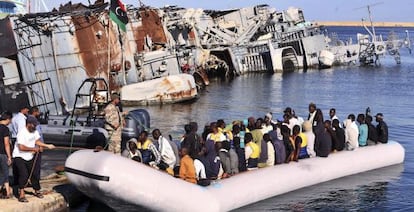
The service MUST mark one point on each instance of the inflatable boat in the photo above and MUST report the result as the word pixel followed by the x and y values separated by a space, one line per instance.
pixel 124 184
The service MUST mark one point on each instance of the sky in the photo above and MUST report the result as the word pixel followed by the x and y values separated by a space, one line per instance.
pixel 314 10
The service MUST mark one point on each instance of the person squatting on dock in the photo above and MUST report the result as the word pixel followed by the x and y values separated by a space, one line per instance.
pixel 226 150
pixel 113 124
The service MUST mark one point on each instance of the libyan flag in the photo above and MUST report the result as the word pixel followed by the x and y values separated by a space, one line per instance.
pixel 118 13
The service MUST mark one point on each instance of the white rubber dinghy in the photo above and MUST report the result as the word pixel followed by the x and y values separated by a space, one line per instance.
pixel 124 184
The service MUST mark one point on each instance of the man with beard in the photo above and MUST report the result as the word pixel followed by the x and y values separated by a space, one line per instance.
pixel 28 145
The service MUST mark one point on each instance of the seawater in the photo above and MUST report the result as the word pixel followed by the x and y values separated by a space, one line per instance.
pixel 388 89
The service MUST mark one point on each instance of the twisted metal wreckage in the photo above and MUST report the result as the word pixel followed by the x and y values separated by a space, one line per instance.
pixel 48 55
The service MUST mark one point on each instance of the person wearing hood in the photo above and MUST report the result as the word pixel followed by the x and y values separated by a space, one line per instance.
pixel 132 151
pixel 382 128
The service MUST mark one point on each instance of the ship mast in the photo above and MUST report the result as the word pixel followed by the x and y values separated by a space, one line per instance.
pixel 372 32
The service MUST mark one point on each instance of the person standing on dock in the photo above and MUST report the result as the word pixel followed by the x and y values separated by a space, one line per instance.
pixel 34 113
pixel 5 154
pixel 113 124
pixel 19 122
pixel 24 157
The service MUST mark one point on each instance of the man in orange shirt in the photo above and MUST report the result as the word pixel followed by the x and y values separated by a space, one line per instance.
pixel 187 169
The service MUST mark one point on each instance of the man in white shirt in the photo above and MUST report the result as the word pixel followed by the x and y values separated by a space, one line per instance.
pixel 24 158
pixel 165 148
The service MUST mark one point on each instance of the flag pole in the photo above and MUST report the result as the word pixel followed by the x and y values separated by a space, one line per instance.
pixel 121 42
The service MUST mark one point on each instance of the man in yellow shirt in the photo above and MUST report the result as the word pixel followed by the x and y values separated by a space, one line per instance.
pixel 187 169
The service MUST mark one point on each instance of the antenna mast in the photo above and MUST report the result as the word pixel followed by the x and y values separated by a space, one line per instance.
pixel 374 36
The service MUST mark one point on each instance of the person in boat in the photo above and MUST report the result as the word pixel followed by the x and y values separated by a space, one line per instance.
pixel 303 153
pixel 339 135
pixel 238 138
pixel 28 142
pixel 279 146
pixel 285 131
pixel 351 133
pixel 5 154
pixel 187 170
pixel 296 142
pixel 222 148
pixel 267 125
pixel 251 124
pixel 312 113
pixel 168 158
pixel 363 130
pixel 382 128
pixel 252 152
pixel 332 115
pixel 149 152
pixel 323 142
pixel 291 117
pixel 114 123
pixel 175 146
pixel 131 150
pixel 200 172
pixel 258 139
pixel 192 141
pixel 310 138
pixel 270 150
pixel 215 134
pixel 372 131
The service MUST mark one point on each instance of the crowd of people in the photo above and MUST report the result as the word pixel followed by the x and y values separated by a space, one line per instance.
pixel 21 144
pixel 223 150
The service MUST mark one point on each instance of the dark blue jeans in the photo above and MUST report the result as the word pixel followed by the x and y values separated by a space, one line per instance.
pixel 4 170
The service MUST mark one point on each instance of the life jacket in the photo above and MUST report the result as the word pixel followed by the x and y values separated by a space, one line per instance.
pixel 145 152
pixel 304 140
pixel 255 148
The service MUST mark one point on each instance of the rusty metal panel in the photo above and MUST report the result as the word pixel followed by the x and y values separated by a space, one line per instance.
pixel 8 44
pixel 151 26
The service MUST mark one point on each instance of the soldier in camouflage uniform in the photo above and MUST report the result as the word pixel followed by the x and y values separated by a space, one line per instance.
pixel 113 124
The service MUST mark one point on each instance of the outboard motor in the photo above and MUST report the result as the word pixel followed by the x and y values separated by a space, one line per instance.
pixel 136 121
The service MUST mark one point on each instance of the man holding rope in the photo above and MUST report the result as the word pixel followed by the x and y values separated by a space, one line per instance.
pixel 25 154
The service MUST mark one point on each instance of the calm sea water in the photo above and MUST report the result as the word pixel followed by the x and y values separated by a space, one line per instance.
pixel 388 89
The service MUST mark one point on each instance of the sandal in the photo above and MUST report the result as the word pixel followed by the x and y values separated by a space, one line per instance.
pixel 23 199
pixel 38 195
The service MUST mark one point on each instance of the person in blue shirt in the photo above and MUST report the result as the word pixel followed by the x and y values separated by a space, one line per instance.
pixel 363 130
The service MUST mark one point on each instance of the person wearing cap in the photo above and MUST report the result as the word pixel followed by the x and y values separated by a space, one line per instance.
pixel 382 128
pixel 27 145
pixel 114 123
pixel 34 113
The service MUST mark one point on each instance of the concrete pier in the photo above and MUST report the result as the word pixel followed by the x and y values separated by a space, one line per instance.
pixel 52 201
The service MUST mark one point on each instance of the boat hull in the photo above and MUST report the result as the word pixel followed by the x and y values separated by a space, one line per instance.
pixel 158 191
pixel 169 89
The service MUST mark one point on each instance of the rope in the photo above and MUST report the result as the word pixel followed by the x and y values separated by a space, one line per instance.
pixel 32 169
